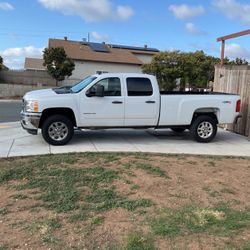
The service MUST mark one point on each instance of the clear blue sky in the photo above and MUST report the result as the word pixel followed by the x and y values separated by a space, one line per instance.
pixel 26 26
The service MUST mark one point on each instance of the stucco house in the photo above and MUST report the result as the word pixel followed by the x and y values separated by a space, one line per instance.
pixel 34 64
pixel 4 67
pixel 91 58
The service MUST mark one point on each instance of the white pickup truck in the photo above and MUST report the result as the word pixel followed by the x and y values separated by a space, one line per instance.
pixel 124 100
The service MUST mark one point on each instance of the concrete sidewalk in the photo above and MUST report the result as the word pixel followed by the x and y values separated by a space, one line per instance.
pixel 14 141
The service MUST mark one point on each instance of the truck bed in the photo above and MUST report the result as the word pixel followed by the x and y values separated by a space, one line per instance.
pixel 192 93
pixel 178 108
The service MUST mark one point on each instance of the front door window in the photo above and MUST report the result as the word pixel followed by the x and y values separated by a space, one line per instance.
pixel 112 86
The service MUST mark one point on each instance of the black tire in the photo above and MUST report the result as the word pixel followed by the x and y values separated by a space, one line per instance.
pixel 204 128
pixel 178 130
pixel 57 130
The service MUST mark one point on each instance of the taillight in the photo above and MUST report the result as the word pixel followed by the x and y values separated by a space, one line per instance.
pixel 238 106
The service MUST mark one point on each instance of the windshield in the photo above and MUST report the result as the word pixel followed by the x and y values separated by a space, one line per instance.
pixel 82 84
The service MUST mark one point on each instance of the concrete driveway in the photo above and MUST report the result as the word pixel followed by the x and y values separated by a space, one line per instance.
pixel 14 141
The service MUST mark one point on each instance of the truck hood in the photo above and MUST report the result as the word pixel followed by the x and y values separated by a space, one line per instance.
pixel 46 93
pixel 38 94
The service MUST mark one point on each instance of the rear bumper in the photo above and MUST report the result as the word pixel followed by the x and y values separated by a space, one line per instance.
pixel 30 122
pixel 237 118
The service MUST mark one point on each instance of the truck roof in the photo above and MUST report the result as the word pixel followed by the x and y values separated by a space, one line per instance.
pixel 123 74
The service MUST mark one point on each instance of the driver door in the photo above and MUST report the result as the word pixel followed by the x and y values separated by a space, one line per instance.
pixel 106 111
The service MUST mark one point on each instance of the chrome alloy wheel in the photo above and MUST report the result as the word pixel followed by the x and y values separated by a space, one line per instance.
pixel 58 131
pixel 205 130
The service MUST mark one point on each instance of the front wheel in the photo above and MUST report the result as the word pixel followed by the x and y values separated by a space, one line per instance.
pixel 57 130
pixel 204 128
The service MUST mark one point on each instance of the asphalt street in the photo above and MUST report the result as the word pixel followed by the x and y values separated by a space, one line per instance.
pixel 10 111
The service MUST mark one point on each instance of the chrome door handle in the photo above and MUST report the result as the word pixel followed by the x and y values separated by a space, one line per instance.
pixel 150 102
pixel 117 102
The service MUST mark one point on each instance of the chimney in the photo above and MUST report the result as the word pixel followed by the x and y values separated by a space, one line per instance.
pixel 66 38
pixel 145 46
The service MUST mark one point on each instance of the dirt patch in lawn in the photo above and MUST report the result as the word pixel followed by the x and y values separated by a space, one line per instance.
pixel 124 201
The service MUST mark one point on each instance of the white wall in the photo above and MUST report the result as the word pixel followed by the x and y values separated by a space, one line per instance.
pixel 83 69
pixel 144 58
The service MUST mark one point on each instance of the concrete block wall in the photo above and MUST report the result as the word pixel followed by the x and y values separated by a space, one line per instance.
pixel 16 90
pixel 28 77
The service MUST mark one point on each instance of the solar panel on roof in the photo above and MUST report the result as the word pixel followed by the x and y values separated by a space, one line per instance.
pixel 99 47
pixel 116 46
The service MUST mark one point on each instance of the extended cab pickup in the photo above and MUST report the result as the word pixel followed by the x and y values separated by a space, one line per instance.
pixel 124 100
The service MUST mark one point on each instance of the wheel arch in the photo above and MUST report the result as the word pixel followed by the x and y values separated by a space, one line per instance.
pixel 67 112
pixel 211 112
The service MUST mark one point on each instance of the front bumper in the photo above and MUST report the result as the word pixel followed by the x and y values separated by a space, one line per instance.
pixel 30 121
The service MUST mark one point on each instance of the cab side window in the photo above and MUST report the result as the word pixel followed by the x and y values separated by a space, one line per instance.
pixel 112 86
pixel 138 86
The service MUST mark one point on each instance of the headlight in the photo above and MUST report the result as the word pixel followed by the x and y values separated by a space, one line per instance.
pixel 31 106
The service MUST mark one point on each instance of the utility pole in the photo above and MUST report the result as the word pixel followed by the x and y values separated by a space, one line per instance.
pixel 224 38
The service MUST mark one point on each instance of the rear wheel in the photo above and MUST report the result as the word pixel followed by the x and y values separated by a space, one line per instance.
pixel 178 130
pixel 204 128
pixel 57 130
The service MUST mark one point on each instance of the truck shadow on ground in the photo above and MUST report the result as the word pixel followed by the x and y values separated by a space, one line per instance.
pixel 133 135
pixel 143 136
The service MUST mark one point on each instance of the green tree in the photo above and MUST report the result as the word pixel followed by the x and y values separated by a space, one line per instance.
pixel 194 69
pixel 199 68
pixel 1 62
pixel 237 61
pixel 58 65
pixel 166 66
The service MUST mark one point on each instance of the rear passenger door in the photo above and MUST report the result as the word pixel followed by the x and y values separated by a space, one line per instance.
pixel 141 102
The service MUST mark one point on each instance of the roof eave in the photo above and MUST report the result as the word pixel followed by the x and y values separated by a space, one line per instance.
pixel 90 60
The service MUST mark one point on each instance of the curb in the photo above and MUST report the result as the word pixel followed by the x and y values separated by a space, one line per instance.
pixel 10 100
pixel 9 123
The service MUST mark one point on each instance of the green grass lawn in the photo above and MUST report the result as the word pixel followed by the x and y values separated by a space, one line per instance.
pixel 125 201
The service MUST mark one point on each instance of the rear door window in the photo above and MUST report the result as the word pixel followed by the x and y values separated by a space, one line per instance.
pixel 138 86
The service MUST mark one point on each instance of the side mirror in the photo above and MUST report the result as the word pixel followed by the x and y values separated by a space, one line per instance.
pixel 91 92
pixel 99 91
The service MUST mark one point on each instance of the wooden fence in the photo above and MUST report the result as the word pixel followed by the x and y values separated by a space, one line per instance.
pixel 236 80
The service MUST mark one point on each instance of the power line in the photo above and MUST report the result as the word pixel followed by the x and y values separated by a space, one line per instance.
pixel 47 31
